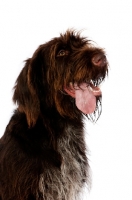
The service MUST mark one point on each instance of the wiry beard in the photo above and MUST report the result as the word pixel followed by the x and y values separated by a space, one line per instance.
pixel 93 117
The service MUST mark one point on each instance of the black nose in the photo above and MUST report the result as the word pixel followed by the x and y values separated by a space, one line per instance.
pixel 99 60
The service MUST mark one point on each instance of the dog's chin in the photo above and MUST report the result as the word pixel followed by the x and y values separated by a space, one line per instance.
pixel 85 97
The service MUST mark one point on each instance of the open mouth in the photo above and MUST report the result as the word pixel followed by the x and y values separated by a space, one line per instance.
pixel 86 95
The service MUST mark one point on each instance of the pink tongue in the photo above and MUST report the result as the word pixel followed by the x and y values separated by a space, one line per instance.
pixel 85 99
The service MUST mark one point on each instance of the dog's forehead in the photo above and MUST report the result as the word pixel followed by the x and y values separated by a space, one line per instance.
pixel 71 38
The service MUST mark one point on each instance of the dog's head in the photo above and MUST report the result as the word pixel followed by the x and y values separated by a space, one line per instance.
pixel 63 74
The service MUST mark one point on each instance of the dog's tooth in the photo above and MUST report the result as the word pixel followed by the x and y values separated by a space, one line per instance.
pixel 90 88
pixel 71 84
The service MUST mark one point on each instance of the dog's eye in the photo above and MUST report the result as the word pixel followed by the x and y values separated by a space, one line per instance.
pixel 62 53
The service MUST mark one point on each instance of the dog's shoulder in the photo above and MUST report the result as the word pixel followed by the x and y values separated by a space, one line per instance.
pixel 18 135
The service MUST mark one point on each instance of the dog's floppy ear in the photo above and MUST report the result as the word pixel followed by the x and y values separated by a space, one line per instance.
pixel 27 88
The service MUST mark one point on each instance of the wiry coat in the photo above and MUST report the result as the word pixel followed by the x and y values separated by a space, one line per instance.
pixel 43 152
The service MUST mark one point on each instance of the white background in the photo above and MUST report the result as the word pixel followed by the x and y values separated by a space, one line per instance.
pixel 28 23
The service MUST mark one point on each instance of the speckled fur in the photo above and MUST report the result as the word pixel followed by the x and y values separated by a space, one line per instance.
pixel 67 184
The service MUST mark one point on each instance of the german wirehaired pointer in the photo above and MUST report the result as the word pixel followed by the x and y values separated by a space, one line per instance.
pixel 43 152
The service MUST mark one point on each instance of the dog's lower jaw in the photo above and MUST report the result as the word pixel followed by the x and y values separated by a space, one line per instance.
pixel 68 182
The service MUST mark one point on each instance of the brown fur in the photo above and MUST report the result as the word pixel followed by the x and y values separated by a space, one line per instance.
pixel 43 152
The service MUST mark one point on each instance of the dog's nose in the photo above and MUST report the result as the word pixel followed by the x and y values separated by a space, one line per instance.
pixel 99 60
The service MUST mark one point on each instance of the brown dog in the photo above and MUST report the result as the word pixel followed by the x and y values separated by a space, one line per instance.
pixel 43 152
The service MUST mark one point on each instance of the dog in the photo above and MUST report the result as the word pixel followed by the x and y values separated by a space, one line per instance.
pixel 43 154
